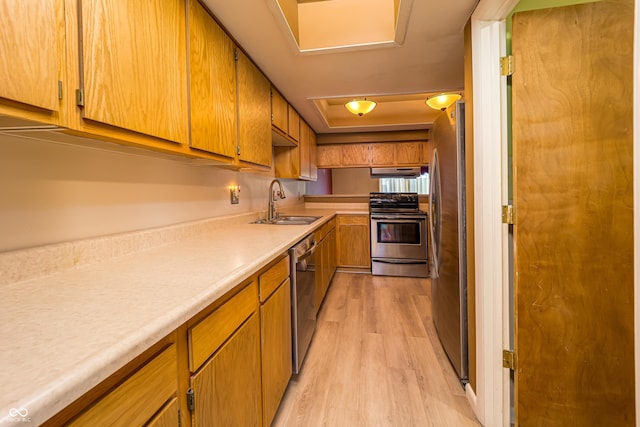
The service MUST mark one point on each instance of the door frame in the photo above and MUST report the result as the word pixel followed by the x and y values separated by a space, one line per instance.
pixel 490 400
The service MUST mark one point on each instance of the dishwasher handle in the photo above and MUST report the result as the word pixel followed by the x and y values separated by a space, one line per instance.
pixel 308 253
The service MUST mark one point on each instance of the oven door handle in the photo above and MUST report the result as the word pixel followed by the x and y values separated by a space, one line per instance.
pixel 399 261
pixel 402 218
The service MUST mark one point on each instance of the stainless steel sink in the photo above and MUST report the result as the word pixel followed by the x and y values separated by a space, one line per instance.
pixel 289 220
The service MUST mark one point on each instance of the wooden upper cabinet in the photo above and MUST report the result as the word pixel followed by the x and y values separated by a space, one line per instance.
pixel 304 146
pixel 254 113
pixel 133 66
pixel 313 164
pixel 408 153
pixel 373 154
pixel 356 155
pixel 383 154
pixel 279 111
pixel 293 123
pixel 32 52
pixel 285 120
pixel 212 72
pixel 329 156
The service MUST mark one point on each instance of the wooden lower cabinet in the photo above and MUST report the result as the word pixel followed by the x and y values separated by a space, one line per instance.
pixel 227 366
pixel 227 389
pixel 275 325
pixel 325 260
pixel 136 400
pixel 353 241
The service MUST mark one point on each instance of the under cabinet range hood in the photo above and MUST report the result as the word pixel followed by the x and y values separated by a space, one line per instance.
pixel 408 172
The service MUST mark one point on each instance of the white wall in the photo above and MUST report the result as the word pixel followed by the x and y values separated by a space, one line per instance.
pixel 52 192
pixel 353 181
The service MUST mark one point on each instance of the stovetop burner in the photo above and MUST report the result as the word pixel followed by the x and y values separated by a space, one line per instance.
pixel 394 202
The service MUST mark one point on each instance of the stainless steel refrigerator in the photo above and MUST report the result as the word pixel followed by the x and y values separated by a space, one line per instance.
pixel 447 228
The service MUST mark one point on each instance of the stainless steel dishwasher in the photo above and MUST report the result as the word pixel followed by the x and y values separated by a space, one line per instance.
pixel 303 311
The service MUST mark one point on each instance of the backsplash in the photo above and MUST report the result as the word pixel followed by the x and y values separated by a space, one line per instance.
pixel 55 193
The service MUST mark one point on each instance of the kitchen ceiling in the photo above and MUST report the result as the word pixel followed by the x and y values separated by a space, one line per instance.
pixel 415 52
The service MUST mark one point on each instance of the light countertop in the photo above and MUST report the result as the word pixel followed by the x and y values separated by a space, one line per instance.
pixel 64 332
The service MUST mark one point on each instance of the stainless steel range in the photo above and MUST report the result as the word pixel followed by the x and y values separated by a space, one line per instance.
pixel 398 235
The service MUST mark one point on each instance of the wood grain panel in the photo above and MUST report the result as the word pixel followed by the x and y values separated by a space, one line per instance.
pixel 31 52
pixel 304 145
pixel 167 417
pixel 212 71
pixel 353 244
pixel 383 154
pixel 356 155
pixel 136 400
pixel 572 142
pixel 254 113
pixel 313 156
pixel 206 336
pixel 227 388
pixel 272 278
pixel 293 123
pixel 275 324
pixel 279 110
pixel 329 156
pixel 134 66
pixel 408 153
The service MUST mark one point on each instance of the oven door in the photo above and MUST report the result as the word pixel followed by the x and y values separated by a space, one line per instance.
pixel 399 236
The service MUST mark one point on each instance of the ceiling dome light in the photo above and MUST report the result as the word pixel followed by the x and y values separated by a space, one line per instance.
pixel 360 107
pixel 442 101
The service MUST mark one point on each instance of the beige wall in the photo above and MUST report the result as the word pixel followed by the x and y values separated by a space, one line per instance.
pixel 51 193
pixel 353 181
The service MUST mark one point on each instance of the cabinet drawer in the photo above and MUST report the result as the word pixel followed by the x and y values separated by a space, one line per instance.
pixel 137 399
pixel 271 279
pixel 324 230
pixel 207 335
pixel 353 219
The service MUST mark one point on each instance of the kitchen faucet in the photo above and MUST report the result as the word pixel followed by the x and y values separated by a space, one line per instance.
pixel 271 213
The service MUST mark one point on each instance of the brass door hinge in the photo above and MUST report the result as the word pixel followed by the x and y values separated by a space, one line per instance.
pixel 507 65
pixel 509 359
pixel 80 97
pixel 235 55
pixel 191 400
pixel 59 89
pixel 508 214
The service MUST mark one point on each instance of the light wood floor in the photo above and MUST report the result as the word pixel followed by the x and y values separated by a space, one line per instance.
pixel 375 360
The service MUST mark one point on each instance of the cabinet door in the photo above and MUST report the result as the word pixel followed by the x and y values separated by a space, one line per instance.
pixel 329 156
pixel 227 388
pixel 212 72
pixel 304 149
pixel 353 244
pixel 254 113
pixel 136 400
pixel 356 155
pixel 313 165
pixel 320 272
pixel 279 111
pixel 133 66
pixel 32 49
pixel 275 316
pixel 408 153
pixel 382 154
pixel 293 123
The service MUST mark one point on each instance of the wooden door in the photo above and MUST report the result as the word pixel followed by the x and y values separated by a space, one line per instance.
pixel 353 241
pixel 279 111
pixel 133 66
pixel 227 388
pixel 572 148
pixel 304 147
pixel 276 349
pixel 356 155
pixel 212 72
pixel 409 153
pixel 328 156
pixel 254 113
pixel 32 52
pixel 383 154
pixel 313 164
